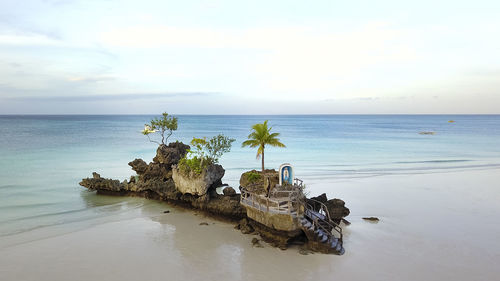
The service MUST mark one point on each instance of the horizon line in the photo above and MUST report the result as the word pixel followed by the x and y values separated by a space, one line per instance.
pixel 270 114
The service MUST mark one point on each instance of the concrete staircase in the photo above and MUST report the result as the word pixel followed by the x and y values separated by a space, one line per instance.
pixel 320 230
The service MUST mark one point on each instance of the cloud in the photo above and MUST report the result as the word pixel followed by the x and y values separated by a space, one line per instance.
pixel 113 97
pixel 287 60
pixel 27 39
pixel 95 79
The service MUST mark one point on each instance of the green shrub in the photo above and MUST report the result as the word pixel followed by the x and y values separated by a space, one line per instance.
pixel 194 165
pixel 204 153
pixel 253 177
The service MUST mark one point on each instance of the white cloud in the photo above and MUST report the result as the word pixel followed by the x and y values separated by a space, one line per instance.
pixel 304 56
pixel 288 60
pixel 30 40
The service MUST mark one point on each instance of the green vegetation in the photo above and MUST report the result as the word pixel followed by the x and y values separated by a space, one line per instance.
pixel 253 177
pixel 260 137
pixel 204 152
pixel 164 125
pixel 194 164
pixel 217 146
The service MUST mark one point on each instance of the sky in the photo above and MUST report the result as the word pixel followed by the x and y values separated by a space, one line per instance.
pixel 249 57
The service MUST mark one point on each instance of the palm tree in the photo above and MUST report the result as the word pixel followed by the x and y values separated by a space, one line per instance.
pixel 260 136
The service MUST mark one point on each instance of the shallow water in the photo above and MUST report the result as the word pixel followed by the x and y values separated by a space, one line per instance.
pixel 44 157
pixel 442 227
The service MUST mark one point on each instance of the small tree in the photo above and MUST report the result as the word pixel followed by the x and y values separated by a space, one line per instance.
pixel 204 153
pixel 260 136
pixel 217 146
pixel 165 125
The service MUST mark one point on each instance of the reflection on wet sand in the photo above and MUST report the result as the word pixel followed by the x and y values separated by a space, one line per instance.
pixel 421 235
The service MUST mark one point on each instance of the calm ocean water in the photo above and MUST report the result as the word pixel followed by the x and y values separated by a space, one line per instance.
pixel 42 158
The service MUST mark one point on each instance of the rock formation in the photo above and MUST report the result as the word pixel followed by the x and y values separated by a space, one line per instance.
pixel 258 182
pixel 156 180
pixel 336 207
pixel 198 184
pixel 162 180
pixel 229 191
pixel 98 183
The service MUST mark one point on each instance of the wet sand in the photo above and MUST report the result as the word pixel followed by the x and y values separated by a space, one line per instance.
pixel 439 226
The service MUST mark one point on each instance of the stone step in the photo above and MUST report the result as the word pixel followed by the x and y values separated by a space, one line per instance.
pixel 341 252
pixel 339 248
pixel 323 238
pixel 333 243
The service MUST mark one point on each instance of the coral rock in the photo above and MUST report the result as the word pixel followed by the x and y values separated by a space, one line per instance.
pixel 170 154
pixel 228 191
pixel 198 184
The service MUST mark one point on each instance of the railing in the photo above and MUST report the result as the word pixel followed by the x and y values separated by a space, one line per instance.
pixel 290 204
pixel 323 210
pixel 298 182
pixel 283 205
pixel 290 194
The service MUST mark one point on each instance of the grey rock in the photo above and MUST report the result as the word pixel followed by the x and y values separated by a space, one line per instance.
pixel 228 191
pixel 256 243
pixel 170 154
pixel 197 184
pixel 98 183
pixel 139 166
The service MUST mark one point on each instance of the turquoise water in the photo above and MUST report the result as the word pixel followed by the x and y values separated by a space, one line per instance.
pixel 42 158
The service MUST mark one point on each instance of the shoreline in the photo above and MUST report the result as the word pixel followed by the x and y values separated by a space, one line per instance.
pixel 439 228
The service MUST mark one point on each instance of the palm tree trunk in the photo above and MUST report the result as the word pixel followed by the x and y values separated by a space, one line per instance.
pixel 262 159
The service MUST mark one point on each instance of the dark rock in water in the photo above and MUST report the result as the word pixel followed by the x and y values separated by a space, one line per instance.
pixel 139 166
pixel 372 219
pixel 346 222
pixel 171 154
pixel 166 212
pixel 256 243
pixel 245 227
pixel 98 183
pixel 203 223
pixel 321 198
pixel 336 207
pixel 228 191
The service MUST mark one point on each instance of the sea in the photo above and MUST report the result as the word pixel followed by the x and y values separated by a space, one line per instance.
pixel 44 157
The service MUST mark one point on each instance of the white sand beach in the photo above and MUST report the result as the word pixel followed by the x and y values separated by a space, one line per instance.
pixel 435 226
